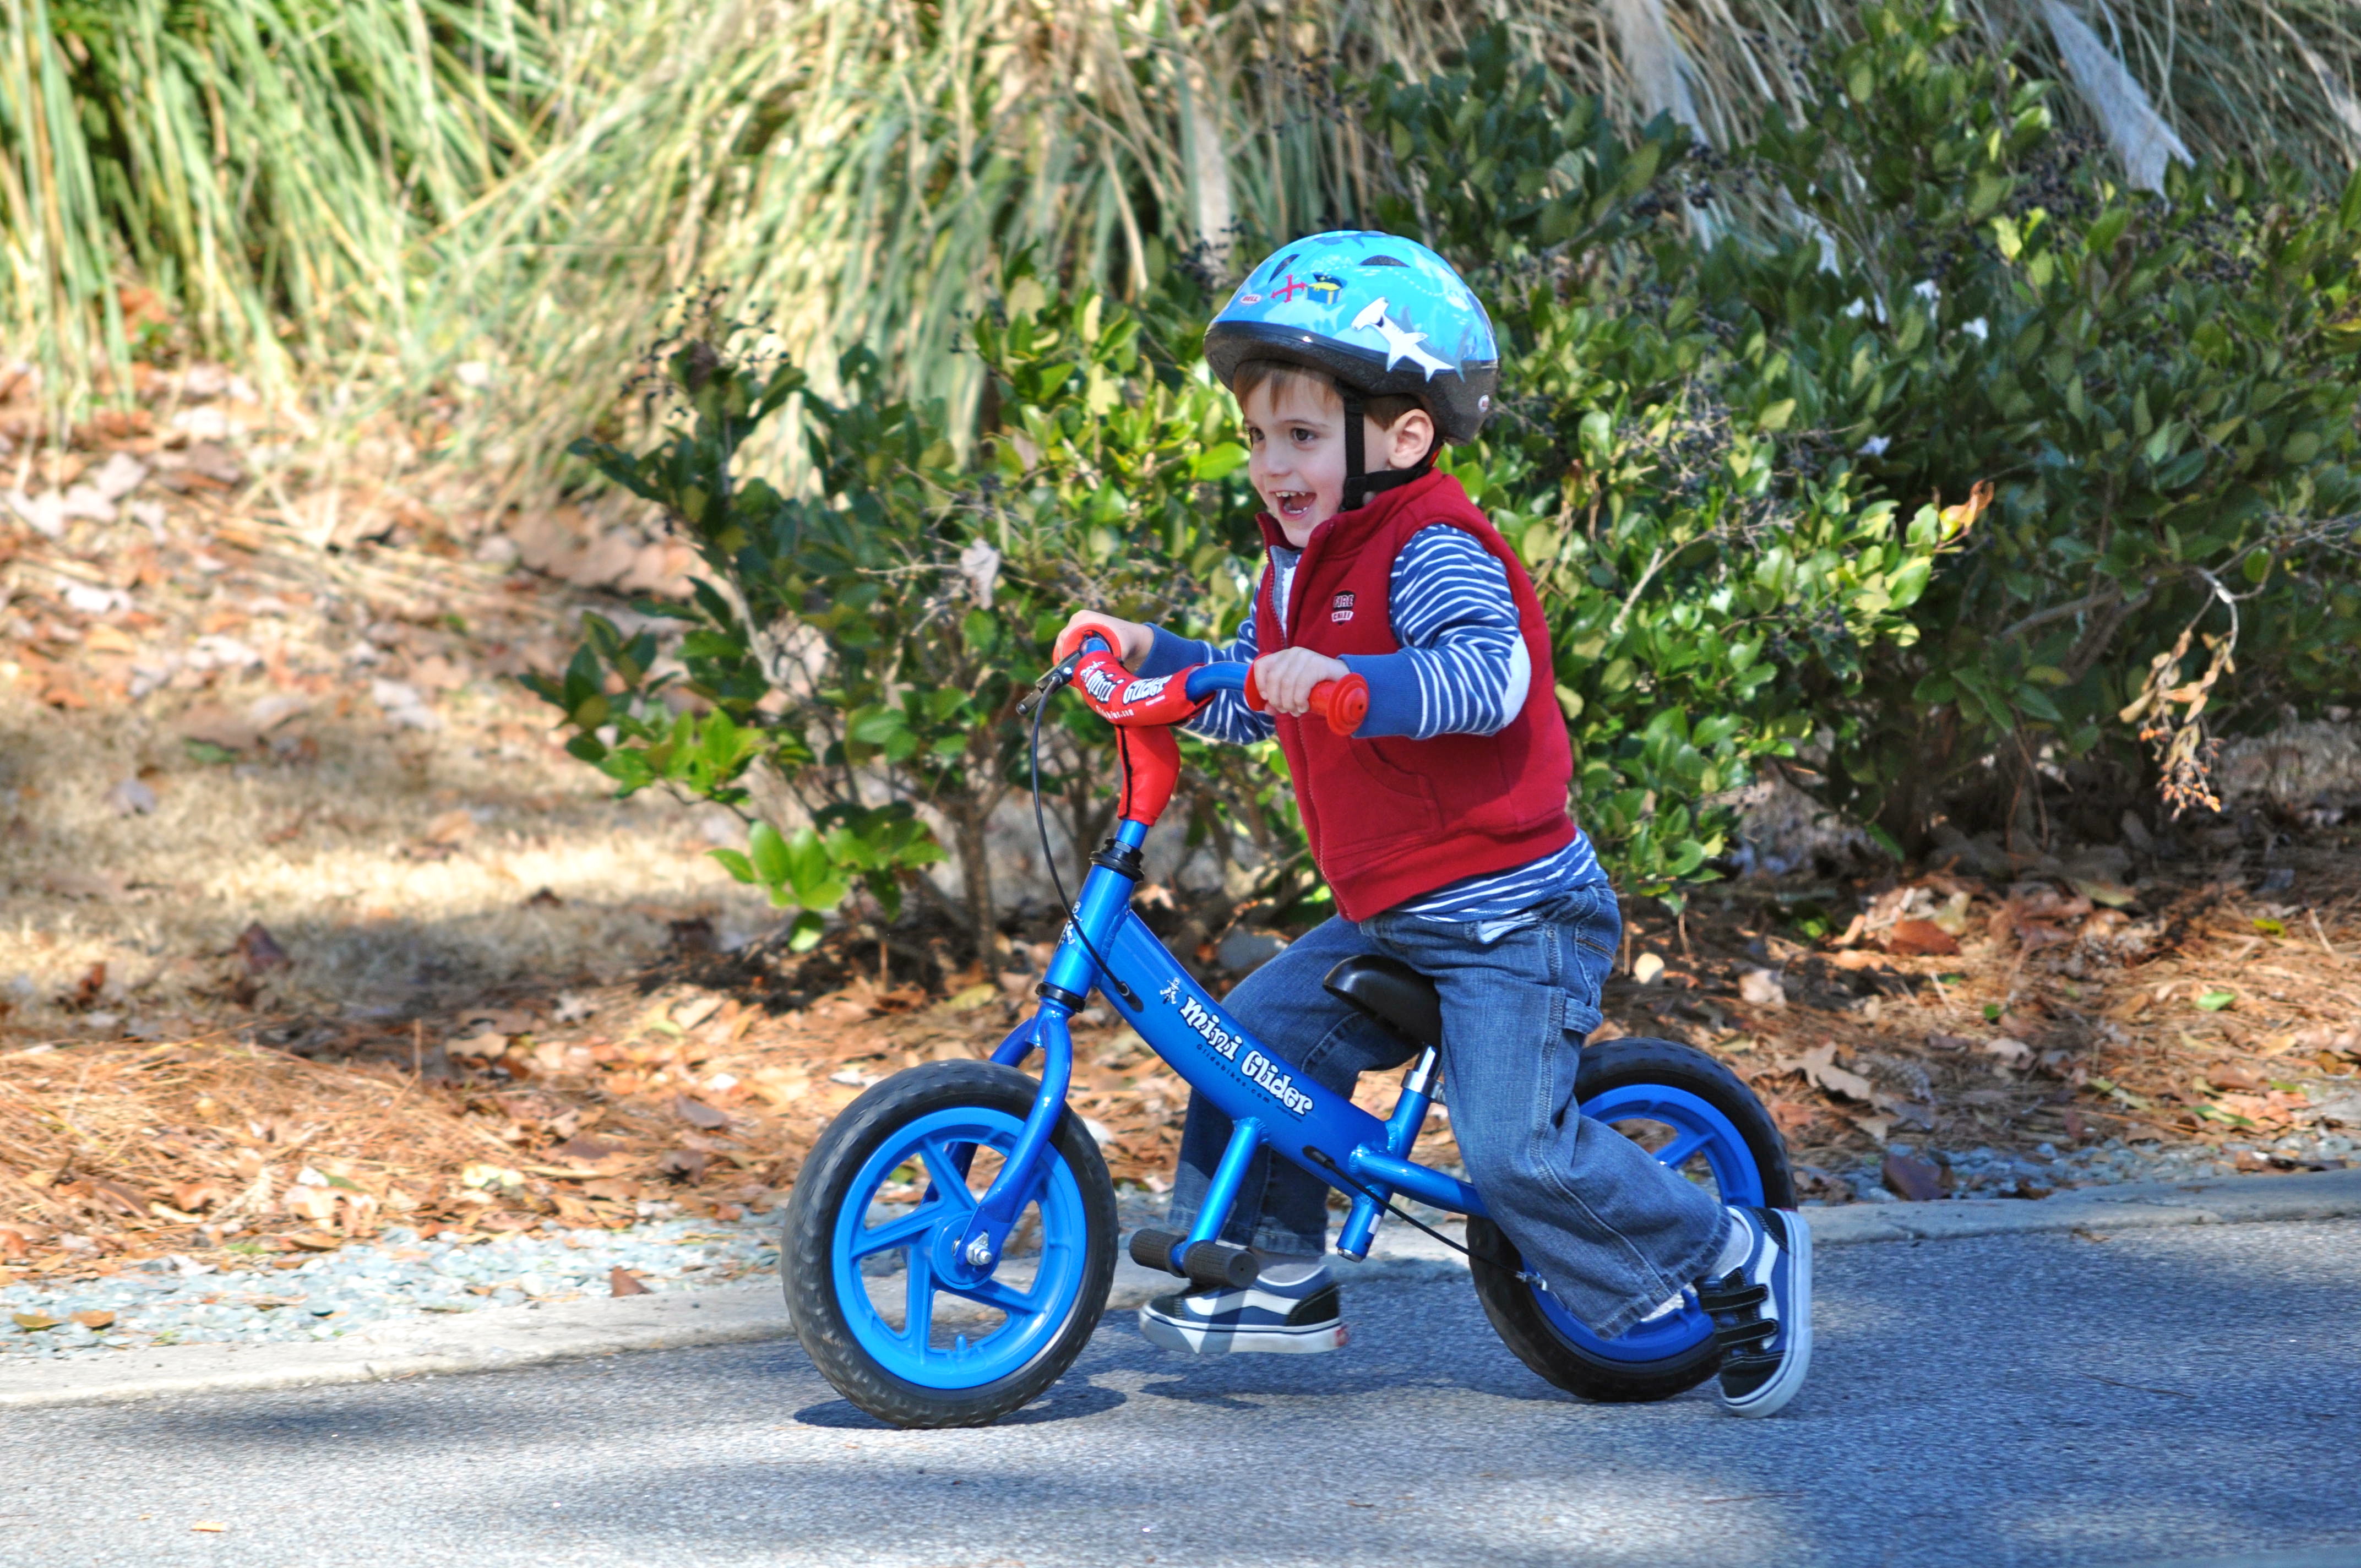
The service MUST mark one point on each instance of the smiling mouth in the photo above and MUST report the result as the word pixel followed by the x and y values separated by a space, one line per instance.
pixel 1294 504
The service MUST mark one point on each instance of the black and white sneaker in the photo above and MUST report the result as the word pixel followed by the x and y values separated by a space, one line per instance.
pixel 1303 1318
pixel 1762 1313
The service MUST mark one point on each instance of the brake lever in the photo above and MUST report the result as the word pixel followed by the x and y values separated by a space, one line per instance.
pixel 1060 673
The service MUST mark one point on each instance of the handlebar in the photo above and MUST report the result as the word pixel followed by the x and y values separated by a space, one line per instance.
pixel 1343 702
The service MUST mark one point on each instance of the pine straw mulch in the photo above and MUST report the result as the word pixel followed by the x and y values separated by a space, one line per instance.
pixel 582 1110
pixel 1958 1012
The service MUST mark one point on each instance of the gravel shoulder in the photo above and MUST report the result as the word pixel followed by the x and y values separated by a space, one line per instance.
pixel 538 1331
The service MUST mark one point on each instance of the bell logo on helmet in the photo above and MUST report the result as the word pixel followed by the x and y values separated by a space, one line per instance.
pixel 1401 343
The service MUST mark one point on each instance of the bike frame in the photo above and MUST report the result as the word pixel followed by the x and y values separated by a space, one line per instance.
pixel 1321 1132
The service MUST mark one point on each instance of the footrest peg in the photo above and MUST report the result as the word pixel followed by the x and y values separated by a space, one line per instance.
pixel 1208 1266
pixel 1220 1265
pixel 1154 1249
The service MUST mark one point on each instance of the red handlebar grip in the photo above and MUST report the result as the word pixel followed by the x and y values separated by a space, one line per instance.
pixel 1344 703
pixel 1074 636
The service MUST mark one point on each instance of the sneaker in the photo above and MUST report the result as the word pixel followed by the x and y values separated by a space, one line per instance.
pixel 1762 1314
pixel 1300 1319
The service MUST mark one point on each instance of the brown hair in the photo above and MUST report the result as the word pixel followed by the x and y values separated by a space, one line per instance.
pixel 1387 410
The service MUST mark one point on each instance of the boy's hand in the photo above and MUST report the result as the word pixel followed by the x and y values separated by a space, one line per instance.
pixel 1133 642
pixel 1286 678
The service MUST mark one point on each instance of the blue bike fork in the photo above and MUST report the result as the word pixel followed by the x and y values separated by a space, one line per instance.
pixel 1071 977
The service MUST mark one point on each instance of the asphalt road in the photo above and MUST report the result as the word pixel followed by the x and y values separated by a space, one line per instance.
pixel 2159 1395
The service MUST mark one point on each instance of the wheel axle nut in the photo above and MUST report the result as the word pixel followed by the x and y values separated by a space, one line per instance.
pixel 978 1253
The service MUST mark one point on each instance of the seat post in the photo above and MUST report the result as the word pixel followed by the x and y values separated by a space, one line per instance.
pixel 1419 1085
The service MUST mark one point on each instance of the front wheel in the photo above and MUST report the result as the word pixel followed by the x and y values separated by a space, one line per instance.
pixel 1697 1117
pixel 883 1308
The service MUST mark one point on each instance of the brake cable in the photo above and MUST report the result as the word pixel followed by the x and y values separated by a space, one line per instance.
pixel 1319 1158
pixel 1060 673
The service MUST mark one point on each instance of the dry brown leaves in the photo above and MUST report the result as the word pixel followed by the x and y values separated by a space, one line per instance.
pixel 2056 1010
pixel 686 1098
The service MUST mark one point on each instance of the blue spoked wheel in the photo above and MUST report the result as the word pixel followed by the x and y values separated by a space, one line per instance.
pixel 1701 1121
pixel 884 1305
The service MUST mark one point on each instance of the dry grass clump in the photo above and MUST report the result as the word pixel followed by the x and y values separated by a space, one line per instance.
pixel 485 207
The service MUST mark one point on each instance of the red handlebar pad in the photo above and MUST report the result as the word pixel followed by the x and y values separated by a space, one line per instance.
pixel 1123 698
pixel 1144 712
pixel 1343 702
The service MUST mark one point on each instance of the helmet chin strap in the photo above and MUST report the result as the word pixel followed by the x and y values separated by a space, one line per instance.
pixel 1360 485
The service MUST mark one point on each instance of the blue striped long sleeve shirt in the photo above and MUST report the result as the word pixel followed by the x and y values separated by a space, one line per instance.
pixel 1462 669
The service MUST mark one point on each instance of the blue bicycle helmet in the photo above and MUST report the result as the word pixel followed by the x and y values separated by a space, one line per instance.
pixel 1383 316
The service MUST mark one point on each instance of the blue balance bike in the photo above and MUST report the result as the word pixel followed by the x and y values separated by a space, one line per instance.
pixel 952 1238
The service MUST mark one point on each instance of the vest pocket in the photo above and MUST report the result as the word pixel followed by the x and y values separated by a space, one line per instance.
pixel 1383 772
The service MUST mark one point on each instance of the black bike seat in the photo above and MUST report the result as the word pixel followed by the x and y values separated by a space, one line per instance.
pixel 1393 994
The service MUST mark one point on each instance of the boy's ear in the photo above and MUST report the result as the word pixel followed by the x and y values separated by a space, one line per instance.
pixel 1410 439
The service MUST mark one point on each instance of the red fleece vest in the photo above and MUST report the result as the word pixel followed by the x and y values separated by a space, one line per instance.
pixel 1391 818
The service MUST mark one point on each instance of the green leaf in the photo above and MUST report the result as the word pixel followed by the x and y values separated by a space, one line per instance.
pixel 879 725
pixel 1217 462
pixel 2215 1000
pixel 770 862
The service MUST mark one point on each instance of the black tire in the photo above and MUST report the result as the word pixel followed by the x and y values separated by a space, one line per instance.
pixel 1508 1300
pixel 807 1266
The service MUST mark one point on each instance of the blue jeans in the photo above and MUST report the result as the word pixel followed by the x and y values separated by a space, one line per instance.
pixel 1613 1232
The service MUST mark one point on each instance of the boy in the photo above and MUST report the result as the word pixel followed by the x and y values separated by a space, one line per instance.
pixel 1441 826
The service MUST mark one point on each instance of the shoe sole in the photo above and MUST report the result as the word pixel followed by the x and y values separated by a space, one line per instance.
pixel 1166 1334
pixel 1772 1396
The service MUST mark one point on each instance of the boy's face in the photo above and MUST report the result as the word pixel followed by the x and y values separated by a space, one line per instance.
pixel 1295 432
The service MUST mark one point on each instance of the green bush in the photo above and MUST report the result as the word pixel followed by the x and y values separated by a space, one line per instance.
pixel 2162 388
pixel 1723 459
pixel 1715 570
pixel 2160 393
pixel 867 626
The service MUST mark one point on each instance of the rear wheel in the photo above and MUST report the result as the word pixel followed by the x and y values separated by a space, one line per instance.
pixel 1697 1118
pixel 880 1301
